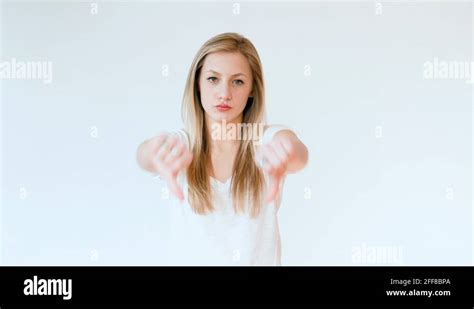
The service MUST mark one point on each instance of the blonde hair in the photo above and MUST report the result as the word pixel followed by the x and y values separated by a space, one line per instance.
pixel 248 181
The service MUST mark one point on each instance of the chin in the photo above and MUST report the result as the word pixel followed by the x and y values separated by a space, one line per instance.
pixel 222 117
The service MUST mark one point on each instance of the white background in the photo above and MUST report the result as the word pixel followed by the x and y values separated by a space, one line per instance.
pixel 73 194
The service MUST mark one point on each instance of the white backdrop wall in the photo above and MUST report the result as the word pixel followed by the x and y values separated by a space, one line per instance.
pixel 389 179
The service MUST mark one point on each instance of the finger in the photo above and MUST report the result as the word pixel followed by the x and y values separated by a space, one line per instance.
pixel 159 140
pixel 288 146
pixel 156 143
pixel 160 151
pixel 165 148
pixel 174 153
pixel 175 188
pixel 280 152
pixel 271 157
pixel 181 162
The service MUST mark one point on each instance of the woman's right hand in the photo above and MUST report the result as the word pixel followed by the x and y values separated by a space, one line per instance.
pixel 169 156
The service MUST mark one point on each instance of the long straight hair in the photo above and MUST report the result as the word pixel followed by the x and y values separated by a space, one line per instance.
pixel 248 181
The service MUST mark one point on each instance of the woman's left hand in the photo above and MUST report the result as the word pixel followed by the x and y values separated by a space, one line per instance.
pixel 274 158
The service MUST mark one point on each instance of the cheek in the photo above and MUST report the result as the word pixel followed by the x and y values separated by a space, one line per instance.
pixel 241 98
pixel 206 95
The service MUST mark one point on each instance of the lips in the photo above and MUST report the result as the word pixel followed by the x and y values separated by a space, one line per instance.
pixel 223 107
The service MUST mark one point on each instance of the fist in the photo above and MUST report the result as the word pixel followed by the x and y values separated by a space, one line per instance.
pixel 170 155
pixel 273 158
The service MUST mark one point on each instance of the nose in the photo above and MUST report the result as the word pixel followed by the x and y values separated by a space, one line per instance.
pixel 225 93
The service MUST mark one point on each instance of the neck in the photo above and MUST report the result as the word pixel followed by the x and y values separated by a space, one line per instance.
pixel 222 144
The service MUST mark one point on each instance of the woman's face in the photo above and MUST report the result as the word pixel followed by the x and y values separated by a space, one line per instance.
pixel 225 84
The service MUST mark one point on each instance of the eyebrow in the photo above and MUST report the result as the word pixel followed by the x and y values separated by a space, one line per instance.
pixel 212 71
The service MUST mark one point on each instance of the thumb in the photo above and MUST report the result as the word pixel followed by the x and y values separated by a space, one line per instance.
pixel 175 188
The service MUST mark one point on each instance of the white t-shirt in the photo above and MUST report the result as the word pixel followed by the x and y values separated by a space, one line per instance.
pixel 223 237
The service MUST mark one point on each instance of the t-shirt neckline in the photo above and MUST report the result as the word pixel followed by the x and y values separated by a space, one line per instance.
pixel 220 183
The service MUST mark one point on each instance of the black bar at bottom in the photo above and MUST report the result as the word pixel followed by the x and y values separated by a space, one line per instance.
pixel 423 286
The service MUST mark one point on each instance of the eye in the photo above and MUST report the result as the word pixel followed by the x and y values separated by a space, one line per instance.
pixel 212 79
pixel 239 82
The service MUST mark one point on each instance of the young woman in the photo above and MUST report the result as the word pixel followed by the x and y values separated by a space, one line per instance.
pixel 229 184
